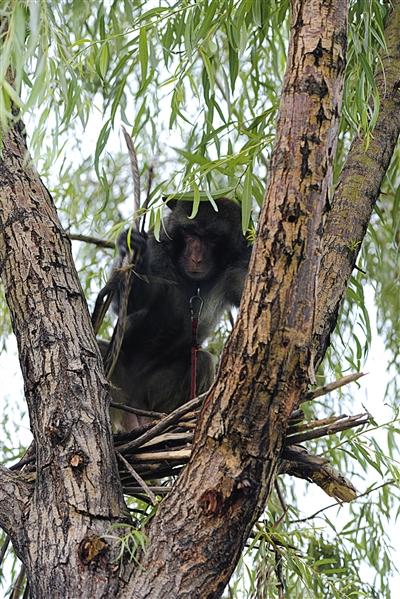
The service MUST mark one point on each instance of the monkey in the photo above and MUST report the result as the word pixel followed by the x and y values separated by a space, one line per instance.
pixel 206 256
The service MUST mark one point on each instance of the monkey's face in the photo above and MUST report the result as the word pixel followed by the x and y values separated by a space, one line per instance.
pixel 197 259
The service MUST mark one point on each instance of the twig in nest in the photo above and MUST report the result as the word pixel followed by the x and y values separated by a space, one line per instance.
pixel 103 243
pixel 137 478
pixel 139 490
pixel 163 424
pixel 331 429
pixel 298 427
pixel 122 438
pixel 152 471
pixel 332 386
pixel 180 455
pixel 181 439
pixel 137 411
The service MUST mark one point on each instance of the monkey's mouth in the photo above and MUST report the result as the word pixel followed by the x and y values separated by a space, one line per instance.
pixel 198 273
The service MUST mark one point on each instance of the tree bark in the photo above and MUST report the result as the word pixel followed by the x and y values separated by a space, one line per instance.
pixel 15 496
pixel 197 535
pixel 77 489
pixel 199 531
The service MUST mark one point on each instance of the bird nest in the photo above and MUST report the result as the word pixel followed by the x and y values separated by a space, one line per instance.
pixel 159 450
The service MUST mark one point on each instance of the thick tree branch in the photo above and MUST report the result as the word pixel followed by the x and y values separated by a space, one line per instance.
pixel 66 392
pixel 358 190
pixel 317 470
pixel 264 367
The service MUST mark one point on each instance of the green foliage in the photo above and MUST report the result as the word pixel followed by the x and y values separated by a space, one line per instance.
pixel 366 40
pixel 131 541
pixel 197 84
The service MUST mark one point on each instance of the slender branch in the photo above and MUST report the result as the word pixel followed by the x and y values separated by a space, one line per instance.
pixel 164 424
pixel 156 456
pixel 357 191
pixel 135 174
pixel 328 388
pixel 18 587
pixel 125 408
pixel 147 200
pixel 312 424
pixel 338 503
pixel 139 491
pixel 180 438
pixel 330 429
pixel 26 594
pixel 103 243
pixel 137 478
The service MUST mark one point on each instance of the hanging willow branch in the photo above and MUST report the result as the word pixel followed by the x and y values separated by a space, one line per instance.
pixel 121 279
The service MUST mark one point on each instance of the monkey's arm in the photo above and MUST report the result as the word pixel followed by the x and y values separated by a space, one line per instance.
pixel 131 242
pixel 234 277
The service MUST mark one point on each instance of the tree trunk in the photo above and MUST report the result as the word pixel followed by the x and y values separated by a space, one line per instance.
pixel 77 493
pixel 196 537
pixel 199 531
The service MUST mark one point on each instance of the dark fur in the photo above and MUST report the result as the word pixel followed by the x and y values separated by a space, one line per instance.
pixel 153 369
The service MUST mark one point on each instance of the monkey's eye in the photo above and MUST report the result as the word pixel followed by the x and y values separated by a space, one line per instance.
pixel 190 231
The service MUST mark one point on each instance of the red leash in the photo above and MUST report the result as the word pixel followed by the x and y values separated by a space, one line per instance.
pixel 196 304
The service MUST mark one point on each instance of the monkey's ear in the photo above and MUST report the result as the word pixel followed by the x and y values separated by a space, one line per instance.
pixel 171 202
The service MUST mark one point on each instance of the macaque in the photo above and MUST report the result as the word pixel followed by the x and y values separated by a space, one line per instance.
pixel 206 255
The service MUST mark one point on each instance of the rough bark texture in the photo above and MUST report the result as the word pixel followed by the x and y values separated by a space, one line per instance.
pixel 77 490
pixel 264 367
pixel 15 496
pixel 358 190
pixel 199 531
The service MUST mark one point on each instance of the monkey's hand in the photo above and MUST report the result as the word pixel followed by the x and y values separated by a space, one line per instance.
pixel 132 242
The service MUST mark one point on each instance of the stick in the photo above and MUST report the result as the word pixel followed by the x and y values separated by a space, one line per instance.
pixel 137 411
pixel 158 456
pixel 139 490
pixel 330 429
pixel 135 174
pixel 147 200
pixel 177 437
pixel 137 478
pixel 18 585
pixel 163 424
pixel 103 243
pixel 305 426
pixel 332 386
